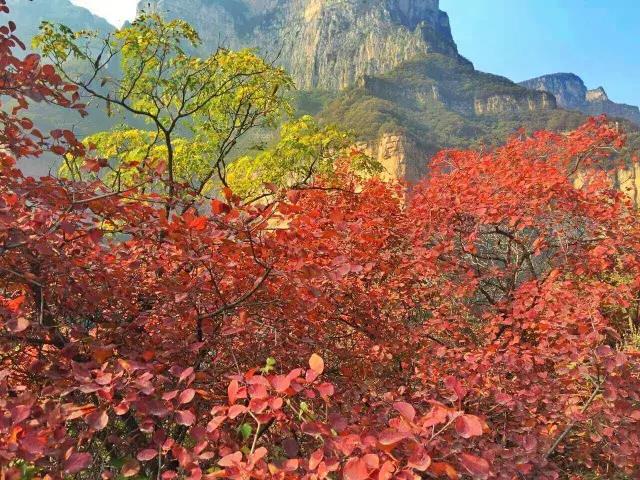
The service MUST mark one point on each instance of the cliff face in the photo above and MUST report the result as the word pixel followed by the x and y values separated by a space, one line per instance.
pixel 571 93
pixel 326 44
pixel 456 85
pixel 569 89
pixel 399 156
pixel 598 102
pixel 496 104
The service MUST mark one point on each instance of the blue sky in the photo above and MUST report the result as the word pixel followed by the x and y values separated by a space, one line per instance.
pixel 598 40
pixel 520 39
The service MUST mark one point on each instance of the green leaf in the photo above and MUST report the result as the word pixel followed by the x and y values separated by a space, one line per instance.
pixel 245 430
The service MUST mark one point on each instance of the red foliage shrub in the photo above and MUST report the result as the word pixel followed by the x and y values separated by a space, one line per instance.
pixel 474 330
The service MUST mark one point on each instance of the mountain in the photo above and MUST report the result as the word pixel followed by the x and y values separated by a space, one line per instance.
pixel 387 69
pixel 434 102
pixel 324 44
pixel 571 93
pixel 29 14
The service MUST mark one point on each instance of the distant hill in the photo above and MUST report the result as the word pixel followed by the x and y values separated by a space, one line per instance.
pixel 572 94
pixel 28 14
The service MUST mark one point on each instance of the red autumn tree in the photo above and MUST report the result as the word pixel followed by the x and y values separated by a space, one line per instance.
pixel 476 330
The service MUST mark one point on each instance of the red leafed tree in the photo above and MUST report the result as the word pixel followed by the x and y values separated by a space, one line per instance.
pixel 479 329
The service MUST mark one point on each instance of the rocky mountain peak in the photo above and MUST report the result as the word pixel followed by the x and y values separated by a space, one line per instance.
pixel 597 95
pixel 568 88
pixel 572 94
pixel 326 44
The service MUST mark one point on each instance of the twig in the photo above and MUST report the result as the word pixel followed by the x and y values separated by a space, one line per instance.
pixel 572 424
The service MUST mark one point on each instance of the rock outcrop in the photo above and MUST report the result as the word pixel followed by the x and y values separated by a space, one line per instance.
pixel 497 104
pixel 325 44
pixel 572 94
pixel 399 156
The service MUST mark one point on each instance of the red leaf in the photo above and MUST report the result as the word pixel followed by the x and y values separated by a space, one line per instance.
pixel 236 410
pixel 17 324
pixel 230 460
pixel 406 410
pixel 147 454
pixel 326 390
pixel 20 413
pixel 215 423
pixel 456 387
pixel 198 223
pixel 443 468
pixel 186 373
pixel 476 466
pixel 185 417
pixel 77 462
pixel 219 207
pixel 420 460
pixel 468 426
pixel 97 420
pixel 58 150
pixel 355 469
pixel 391 437
pixel 315 459
pixel 232 391
pixel 280 383
pixel 130 468
pixel 186 396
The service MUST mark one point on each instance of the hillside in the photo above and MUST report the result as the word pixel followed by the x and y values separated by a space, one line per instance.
pixel 28 15
pixel 436 102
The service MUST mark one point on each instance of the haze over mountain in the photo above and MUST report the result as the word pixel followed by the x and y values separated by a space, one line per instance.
pixel 28 15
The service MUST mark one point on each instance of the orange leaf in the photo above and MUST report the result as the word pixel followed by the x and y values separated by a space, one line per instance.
pixel 316 363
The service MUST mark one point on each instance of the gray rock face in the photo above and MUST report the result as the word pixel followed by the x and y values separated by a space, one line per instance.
pixel 569 89
pixel 326 44
pixel 572 94
pixel 597 95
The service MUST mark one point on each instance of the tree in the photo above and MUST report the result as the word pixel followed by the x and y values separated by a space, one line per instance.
pixel 303 151
pixel 198 109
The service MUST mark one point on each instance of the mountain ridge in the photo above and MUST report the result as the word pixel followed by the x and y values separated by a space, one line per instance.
pixel 28 15
pixel 571 93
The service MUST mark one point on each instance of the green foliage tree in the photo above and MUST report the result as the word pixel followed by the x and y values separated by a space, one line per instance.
pixel 303 150
pixel 196 109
